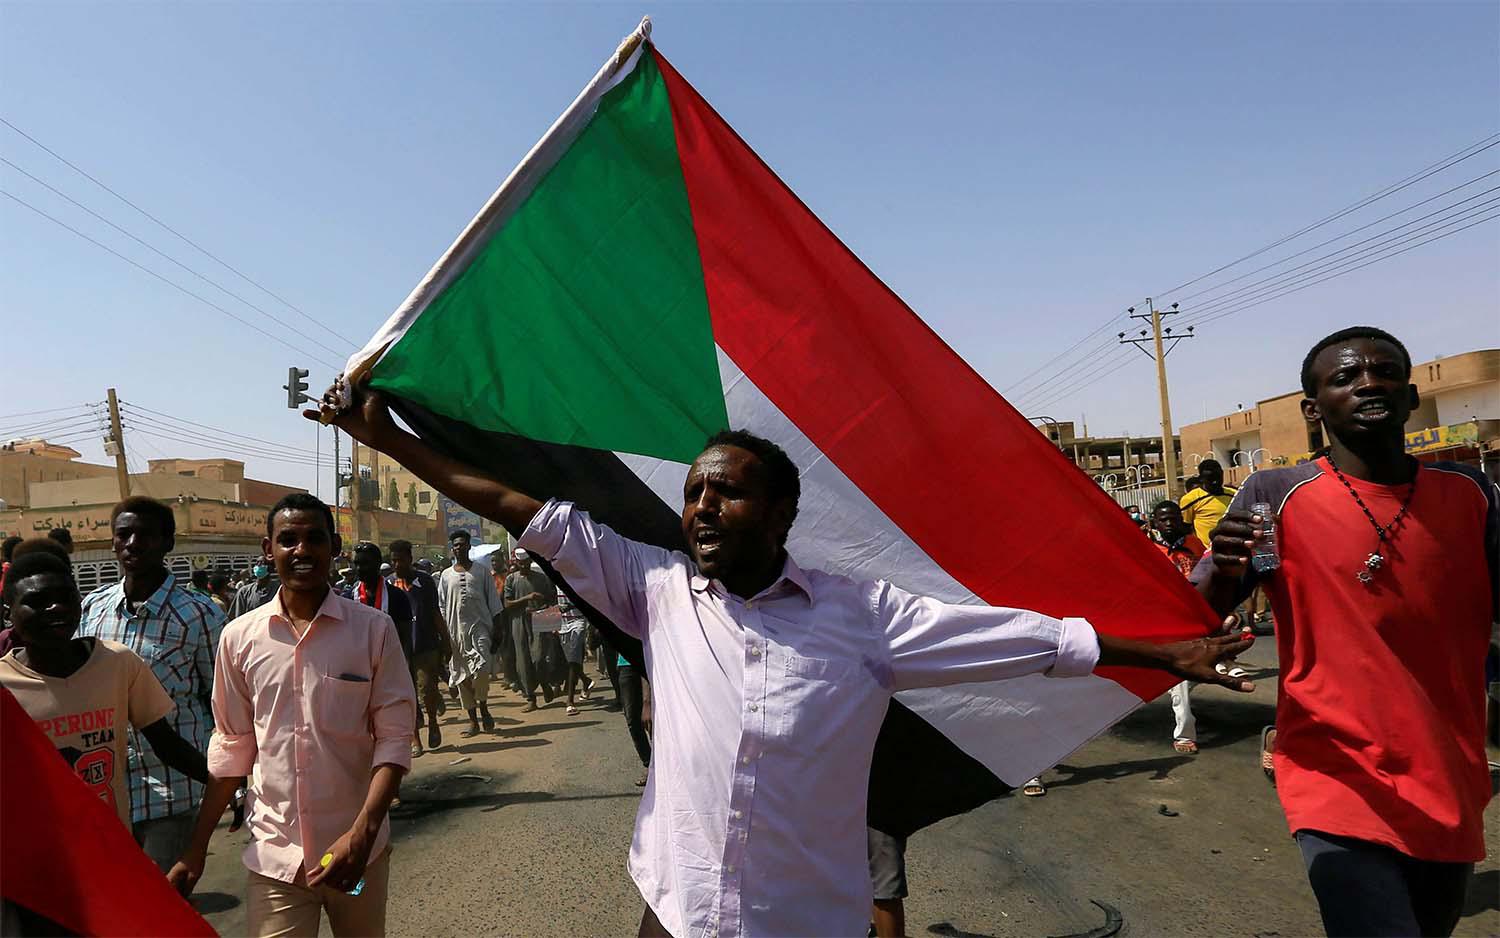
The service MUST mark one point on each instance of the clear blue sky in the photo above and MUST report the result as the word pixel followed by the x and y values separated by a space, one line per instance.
pixel 1017 172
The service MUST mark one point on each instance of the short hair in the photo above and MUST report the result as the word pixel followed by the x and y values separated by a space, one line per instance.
pixel 460 532
pixel 1164 503
pixel 146 507
pixel 366 547
pixel 61 535
pixel 8 546
pixel 217 581
pixel 198 576
pixel 37 556
pixel 302 501
pixel 1310 382
pixel 783 479
pixel 402 545
pixel 1210 463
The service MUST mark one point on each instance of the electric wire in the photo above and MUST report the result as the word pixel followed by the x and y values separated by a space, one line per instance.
pixel 200 248
pixel 169 258
pixel 176 286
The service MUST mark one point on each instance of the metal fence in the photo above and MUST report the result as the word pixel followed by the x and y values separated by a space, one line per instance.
pixel 92 574
pixel 1142 496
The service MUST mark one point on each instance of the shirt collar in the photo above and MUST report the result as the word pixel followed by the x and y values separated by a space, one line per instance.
pixel 153 603
pixel 331 607
pixel 790 573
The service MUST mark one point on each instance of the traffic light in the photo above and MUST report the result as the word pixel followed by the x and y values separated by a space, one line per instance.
pixel 295 386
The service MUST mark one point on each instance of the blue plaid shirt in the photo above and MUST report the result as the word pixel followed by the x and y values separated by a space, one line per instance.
pixel 177 632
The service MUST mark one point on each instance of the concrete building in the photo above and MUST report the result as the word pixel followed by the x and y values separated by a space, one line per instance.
pixel 1459 419
pixel 1128 467
pixel 26 462
pixel 221 515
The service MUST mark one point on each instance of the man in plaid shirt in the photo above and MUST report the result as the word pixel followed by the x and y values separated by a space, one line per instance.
pixel 177 632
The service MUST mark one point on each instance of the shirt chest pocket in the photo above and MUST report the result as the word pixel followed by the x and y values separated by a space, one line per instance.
pixel 809 693
pixel 341 705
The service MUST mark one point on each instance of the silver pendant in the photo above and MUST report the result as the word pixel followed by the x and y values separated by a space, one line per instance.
pixel 1374 561
pixel 1364 576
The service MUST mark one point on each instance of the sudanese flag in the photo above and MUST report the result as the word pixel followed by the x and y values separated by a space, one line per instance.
pixel 643 280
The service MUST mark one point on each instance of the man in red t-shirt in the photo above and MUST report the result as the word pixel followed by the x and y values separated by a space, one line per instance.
pixel 1384 597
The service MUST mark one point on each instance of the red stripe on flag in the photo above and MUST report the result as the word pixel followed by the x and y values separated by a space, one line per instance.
pixel 937 449
pixel 67 856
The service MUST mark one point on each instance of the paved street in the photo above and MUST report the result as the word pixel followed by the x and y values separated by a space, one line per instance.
pixel 536 844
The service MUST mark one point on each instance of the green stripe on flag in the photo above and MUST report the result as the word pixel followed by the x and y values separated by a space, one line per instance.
pixel 584 320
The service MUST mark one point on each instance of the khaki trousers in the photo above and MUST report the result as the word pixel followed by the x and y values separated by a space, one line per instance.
pixel 275 909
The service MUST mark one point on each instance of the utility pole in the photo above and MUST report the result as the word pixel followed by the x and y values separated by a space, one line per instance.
pixel 1156 337
pixel 338 471
pixel 116 443
pixel 356 500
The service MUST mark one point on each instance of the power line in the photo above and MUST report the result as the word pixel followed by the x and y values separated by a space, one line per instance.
pixel 176 286
pixel 1326 261
pixel 165 256
pixel 72 423
pixel 288 453
pixel 1076 382
pixel 211 445
pixel 1351 231
pixel 1435 237
pixel 200 248
pixel 1097 329
pixel 275 444
pixel 1418 176
pixel 54 410
pixel 1093 356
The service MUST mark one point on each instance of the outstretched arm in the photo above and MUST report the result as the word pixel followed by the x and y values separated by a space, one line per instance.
pixel 369 421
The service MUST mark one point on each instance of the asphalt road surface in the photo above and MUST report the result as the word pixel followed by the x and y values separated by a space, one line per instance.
pixel 528 837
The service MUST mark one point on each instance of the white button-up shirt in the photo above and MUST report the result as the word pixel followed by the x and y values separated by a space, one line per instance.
pixel 766 711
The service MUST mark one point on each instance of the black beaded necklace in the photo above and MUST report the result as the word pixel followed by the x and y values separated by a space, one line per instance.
pixel 1383 533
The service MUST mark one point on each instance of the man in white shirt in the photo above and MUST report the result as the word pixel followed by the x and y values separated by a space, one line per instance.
pixel 771 681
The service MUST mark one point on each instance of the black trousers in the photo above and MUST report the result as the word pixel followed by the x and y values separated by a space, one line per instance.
pixel 1367 889
pixel 633 698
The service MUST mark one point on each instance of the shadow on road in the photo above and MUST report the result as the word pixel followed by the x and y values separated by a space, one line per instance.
pixel 207 903
pixel 423 806
pixel 1159 768
pixel 535 728
pixel 1221 722
pixel 500 745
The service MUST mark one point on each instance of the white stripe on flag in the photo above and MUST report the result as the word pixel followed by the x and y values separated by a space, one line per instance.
pixel 1017 727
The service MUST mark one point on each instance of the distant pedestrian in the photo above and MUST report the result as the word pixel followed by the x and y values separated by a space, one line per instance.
pixel 218 591
pixel 257 591
pixel 313 700
pixel 473 611
pixel 573 635
pixel 888 881
pixel 527 590
pixel 1203 505
pixel 633 702
pixel 428 643
pixel 1174 538
pixel 64 537
pixel 198 582
pixel 177 632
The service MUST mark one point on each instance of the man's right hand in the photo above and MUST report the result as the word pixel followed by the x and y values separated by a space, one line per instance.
pixel 1233 542
pixel 185 873
pixel 368 418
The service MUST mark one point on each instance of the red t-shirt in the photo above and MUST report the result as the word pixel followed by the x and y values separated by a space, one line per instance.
pixel 1185 555
pixel 1380 712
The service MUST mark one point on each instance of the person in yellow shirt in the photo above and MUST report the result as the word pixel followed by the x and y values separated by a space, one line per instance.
pixel 1203 506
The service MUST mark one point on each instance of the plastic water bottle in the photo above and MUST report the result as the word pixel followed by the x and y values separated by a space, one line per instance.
pixel 359 887
pixel 1265 556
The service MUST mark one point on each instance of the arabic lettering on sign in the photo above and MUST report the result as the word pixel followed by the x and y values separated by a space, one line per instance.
pixel 1436 438
pixel 85 524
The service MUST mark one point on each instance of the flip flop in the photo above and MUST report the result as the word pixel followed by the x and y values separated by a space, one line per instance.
pixel 1185 746
pixel 1268 753
pixel 572 710
pixel 1034 788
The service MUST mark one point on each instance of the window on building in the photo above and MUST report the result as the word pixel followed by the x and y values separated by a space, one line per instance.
pixel 424 498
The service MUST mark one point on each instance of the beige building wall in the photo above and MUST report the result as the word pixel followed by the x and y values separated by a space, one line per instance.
pixel 34 462
pixel 1454 390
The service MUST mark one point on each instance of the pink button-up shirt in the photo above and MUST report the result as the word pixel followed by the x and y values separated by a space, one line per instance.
pixel 308 720
pixel 766 711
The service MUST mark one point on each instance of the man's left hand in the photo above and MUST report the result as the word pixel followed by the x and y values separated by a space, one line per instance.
pixel 351 853
pixel 1195 660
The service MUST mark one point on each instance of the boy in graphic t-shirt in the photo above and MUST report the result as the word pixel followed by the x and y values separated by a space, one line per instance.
pixel 84 692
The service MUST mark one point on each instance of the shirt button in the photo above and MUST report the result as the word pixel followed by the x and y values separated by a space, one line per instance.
pixel 754 707
pixel 755 651
pixel 729 868
pixel 736 814
pixel 744 760
pixel 750 604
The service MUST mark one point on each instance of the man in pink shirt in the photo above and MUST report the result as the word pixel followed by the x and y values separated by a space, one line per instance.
pixel 312 699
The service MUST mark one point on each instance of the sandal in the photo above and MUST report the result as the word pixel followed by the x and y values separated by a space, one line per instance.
pixel 1185 746
pixel 1034 788
pixel 572 710
pixel 1268 753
